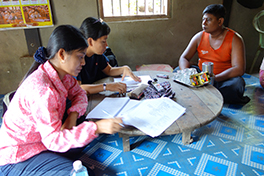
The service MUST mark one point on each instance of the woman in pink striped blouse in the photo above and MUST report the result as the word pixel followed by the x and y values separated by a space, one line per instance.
pixel 34 141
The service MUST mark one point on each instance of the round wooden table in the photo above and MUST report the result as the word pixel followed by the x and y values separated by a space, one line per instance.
pixel 203 105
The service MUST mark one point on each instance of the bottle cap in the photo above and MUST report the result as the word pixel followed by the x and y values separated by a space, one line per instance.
pixel 77 165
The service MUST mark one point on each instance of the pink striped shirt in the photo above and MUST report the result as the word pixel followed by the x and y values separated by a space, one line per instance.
pixel 33 120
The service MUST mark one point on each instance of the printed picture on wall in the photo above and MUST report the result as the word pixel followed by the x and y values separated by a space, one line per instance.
pixel 25 14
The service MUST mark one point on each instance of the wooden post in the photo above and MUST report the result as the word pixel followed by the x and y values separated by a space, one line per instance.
pixel 33 40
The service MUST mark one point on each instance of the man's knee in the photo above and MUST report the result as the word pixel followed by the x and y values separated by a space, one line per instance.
pixel 233 90
pixel 237 84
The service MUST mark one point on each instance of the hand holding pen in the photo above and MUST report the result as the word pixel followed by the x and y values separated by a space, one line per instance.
pixel 123 94
pixel 116 87
pixel 111 116
pixel 109 126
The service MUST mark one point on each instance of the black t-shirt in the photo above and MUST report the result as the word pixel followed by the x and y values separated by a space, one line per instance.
pixel 92 70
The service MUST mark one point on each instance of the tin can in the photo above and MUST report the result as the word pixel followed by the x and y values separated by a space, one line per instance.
pixel 209 66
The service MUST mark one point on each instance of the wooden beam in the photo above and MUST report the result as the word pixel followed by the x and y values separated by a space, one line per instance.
pixel 33 40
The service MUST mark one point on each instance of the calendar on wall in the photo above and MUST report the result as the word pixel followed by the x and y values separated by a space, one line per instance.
pixel 25 14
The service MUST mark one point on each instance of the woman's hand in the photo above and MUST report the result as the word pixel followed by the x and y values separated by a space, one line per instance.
pixel 117 86
pixel 70 121
pixel 128 72
pixel 109 126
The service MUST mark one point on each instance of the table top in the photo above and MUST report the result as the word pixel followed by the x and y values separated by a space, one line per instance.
pixel 203 104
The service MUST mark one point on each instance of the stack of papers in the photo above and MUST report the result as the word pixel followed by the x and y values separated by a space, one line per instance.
pixel 151 116
pixel 112 107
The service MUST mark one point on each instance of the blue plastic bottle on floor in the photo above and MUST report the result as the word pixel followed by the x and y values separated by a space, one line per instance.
pixel 79 169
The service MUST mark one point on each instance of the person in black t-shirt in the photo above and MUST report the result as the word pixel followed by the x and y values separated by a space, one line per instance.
pixel 97 64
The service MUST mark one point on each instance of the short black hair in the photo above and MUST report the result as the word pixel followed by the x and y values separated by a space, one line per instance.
pixel 218 10
pixel 93 28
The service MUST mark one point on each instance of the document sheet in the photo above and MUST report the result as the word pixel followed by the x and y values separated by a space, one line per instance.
pixel 151 116
pixel 108 108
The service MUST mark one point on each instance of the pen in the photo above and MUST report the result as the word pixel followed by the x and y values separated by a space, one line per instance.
pixel 122 125
pixel 117 93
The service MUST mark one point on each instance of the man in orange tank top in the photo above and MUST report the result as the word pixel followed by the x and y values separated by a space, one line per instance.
pixel 225 48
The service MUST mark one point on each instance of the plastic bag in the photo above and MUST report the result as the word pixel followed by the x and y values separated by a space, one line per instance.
pixel 151 92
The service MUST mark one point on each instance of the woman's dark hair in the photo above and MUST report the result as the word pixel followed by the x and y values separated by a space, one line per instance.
pixel 66 37
pixel 218 10
pixel 94 28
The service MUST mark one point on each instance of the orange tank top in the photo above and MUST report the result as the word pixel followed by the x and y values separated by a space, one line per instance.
pixel 221 57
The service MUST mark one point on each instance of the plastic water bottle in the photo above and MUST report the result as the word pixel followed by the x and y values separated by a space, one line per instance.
pixel 78 169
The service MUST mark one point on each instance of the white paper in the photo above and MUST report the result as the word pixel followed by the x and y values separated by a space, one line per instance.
pixel 154 116
pixel 108 108
pixel 129 106
pixel 130 82
pixel 151 116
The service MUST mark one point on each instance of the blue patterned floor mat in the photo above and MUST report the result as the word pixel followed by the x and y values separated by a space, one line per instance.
pixel 231 145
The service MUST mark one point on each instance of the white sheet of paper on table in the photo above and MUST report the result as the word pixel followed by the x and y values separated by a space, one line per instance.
pixel 108 108
pixel 129 106
pixel 151 116
pixel 154 116
pixel 130 82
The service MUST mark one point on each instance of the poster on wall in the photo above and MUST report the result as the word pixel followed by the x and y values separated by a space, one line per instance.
pixel 16 14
